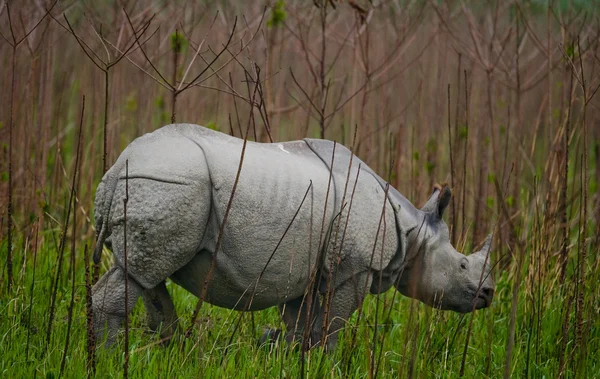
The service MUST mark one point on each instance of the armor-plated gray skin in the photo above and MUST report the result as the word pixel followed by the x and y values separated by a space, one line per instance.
pixel 180 179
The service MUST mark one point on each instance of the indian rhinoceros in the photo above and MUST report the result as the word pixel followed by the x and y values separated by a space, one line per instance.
pixel 303 212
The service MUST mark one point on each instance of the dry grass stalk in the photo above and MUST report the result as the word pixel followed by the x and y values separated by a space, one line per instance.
pixel 63 238
pixel 125 264
pixel 91 337
pixel 75 189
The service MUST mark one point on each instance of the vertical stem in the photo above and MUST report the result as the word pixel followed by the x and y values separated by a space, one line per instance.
pixel 564 253
pixel 322 67
pixel 91 337
pixel 519 124
pixel 72 303
pixel 174 91
pixel 456 143
pixel 35 248
pixel 482 157
pixel 105 126
pixel 210 273
pixel 61 248
pixel 584 184
pixel 513 316
pixel 96 272
pixel 466 145
pixel 9 274
pixel 565 335
pixel 125 200
pixel 453 205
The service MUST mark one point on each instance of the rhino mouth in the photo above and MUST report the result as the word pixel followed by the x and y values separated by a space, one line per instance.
pixel 482 298
pixel 481 302
pixel 485 299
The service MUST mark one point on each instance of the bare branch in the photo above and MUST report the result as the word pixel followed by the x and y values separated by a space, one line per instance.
pixel 157 80
pixel 108 59
pixel 83 46
pixel 197 52
pixel 317 109
pixel 214 59
pixel 137 40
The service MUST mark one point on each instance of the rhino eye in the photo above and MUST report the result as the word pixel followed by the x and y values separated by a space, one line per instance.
pixel 463 265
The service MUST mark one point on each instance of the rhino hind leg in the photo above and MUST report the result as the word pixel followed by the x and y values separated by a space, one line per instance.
pixel 160 311
pixel 108 299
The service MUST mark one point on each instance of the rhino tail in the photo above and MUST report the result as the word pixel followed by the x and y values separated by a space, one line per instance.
pixel 112 178
pixel 100 243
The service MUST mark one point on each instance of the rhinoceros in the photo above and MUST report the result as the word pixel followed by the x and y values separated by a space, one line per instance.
pixel 308 220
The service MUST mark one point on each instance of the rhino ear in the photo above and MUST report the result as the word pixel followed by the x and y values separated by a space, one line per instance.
pixel 438 201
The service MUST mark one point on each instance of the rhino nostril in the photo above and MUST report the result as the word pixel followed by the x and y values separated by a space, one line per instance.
pixel 488 292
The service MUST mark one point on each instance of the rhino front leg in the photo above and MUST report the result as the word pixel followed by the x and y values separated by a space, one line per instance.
pixel 347 297
pixel 294 315
pixel 108 299
pixel 160 311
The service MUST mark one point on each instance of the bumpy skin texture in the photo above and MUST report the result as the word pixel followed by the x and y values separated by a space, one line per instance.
pixel 180 179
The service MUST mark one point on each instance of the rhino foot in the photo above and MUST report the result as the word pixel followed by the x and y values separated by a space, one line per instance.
pixel 108 299
pixel 160 312
pixel 270 337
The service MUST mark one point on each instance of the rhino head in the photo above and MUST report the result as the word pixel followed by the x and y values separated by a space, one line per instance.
pixel 437 274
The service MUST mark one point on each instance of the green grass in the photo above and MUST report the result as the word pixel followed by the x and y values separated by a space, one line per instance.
pixel 440 338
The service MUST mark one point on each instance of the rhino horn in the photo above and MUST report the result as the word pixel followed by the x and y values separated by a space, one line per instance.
pixel 485 250
pixel 438 201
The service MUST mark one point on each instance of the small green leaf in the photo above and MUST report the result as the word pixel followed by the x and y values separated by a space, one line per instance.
pixel 278 14
pixel 160 102
pixel 131 103
pixel 178 43
pixel 462 132
pixel 490 202
pixel 570 50
pixel 491 177
pixel 431 145
pixel 416 155
pixel 211 125
pixel 510 201
pixel 429 166
pixel 556 114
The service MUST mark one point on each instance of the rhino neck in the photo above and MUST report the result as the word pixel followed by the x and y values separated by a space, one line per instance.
pixel 408 216
pixel 408 220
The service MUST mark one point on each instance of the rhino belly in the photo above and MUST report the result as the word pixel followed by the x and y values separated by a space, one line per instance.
pixel 231 289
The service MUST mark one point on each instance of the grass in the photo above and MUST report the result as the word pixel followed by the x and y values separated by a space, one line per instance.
pixel 439 338
pixel 425 85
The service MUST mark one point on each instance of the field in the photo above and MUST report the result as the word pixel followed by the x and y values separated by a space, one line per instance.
pixel 498 99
